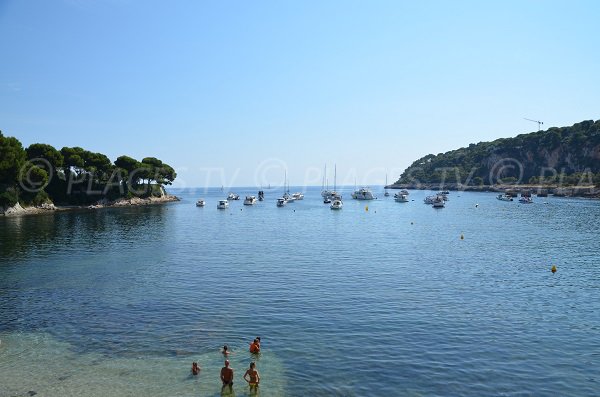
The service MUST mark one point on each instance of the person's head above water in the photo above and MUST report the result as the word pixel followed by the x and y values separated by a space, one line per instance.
pixel 225 348
pixel 227 363
pixel 252 365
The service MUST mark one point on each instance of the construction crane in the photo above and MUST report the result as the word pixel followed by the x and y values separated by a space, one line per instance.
pixel 536 121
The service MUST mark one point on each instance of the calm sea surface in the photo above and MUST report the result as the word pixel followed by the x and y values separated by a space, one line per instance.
pixel 385 302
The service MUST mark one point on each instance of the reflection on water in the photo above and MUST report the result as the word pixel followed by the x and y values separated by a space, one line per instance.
pixel 389 301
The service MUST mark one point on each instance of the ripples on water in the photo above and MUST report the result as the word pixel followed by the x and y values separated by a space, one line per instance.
pixel 388 301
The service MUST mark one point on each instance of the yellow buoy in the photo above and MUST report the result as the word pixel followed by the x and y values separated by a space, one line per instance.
pixel 366 208
pixel 553 269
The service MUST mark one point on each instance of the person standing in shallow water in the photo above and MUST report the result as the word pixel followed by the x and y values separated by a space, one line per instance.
pixel 227 376
pixel 251 376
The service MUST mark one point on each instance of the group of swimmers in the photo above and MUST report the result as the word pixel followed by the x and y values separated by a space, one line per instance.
pixel 251 376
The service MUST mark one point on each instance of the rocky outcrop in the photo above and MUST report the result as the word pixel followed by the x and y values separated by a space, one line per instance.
pixel 17 209
pixel 134 201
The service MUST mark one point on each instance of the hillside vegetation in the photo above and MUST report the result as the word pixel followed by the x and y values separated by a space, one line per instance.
pixel 557 156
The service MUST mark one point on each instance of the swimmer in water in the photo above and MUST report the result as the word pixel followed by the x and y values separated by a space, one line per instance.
pixel 255 346
pixel 195 368
pixel 225 350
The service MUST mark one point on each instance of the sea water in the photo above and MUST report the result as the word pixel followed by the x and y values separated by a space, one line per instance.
pixel 379 299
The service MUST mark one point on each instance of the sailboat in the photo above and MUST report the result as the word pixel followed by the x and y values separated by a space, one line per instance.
pixel 283 200
pixel 386 194
pixel 334 194
pixel 325 187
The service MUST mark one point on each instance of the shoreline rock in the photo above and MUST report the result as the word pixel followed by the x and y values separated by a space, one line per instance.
pixel 134 201
pixel 17 209
pixel 45 208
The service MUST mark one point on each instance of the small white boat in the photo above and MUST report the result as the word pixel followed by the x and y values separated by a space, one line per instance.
pixel 281 202
pixel 250 200
pixel 439 202
pixel 525 200
pixel 298 196
pixel 233 196
pixel 327 200
pixel 429 199
pixel 200 203
pixel 504 197
pixel 363 193
pixel 400 198
pixel 336 205
pixel 223 204
pixel 289 198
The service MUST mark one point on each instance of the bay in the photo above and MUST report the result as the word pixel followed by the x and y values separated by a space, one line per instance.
pixel 380 298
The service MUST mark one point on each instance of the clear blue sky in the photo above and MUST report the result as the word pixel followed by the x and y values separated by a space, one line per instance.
pixel 230 92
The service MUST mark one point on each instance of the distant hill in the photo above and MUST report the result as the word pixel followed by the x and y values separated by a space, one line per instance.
pixel 559 155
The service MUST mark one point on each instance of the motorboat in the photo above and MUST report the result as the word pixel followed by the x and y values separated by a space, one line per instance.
pixel 223 204
pixel 281 202
pixel 336 205
pixel 443 195
pixel 439 202
pixel 200 203
pixel 289 198
pixel 233 196
pixel 430 199
pixel 298 196
pixel 327 200
pixel 363 193
pixel 400 198
pixel 504 197
pixel 525 200
pixel 250 200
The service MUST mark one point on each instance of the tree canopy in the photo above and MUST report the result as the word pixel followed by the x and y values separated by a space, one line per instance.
pixel 73 175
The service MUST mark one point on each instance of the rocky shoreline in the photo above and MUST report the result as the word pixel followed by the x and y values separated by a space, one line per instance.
pixel 540 190
pixel 50 207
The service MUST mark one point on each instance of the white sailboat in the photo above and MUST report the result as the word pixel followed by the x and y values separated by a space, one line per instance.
pixel 386 194
pixel 325 186
pixel 283 200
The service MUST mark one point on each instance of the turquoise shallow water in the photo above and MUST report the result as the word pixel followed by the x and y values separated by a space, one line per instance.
pixel 384 302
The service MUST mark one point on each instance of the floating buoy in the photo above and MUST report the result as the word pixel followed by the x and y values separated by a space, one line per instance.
pixel 476 205
pixel 462 236
pixel 411 223
pixel 367 208
pixel 553 270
